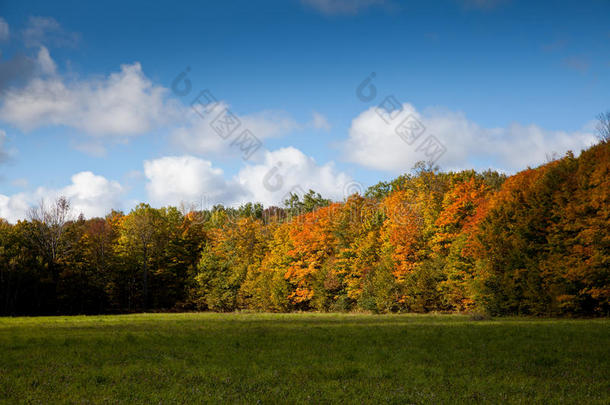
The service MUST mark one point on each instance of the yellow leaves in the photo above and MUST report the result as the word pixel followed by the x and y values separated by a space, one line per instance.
pixel 402 231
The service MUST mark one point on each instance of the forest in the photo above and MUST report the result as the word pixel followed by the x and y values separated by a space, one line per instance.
pixel 534 243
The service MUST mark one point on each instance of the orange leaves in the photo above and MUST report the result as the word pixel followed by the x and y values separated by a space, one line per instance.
pixel 313 231
pixel 313 241
pixel 547 232
pixel 461 204
pixel 439 241
pixel 464 206
pixel 402 231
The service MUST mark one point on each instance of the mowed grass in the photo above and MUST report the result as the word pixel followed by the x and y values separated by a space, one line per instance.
pixel 303 358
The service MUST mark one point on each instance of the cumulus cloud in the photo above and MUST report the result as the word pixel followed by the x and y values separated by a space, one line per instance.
pixel 126 103
pixel 15 207
pixel 47 65
pixel 92 195
pixel 333 7
pixel 89 194
pixel 199 135
pixel 4 30
pixel 173 180
pixel 20 68
pixel 462 144
pixel 289 170
pixel 47 31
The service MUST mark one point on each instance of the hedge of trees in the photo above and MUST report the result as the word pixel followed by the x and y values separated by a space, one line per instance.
pixel 534 243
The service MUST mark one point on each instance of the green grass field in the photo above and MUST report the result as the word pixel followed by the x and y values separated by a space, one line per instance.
pixel 303 358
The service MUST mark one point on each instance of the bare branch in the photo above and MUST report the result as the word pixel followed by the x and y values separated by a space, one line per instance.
pixel 603 126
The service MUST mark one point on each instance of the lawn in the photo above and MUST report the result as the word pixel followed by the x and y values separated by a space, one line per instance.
pixel 303 358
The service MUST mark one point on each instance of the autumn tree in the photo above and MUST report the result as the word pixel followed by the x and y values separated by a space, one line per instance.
pixel 534 243
pixel 313 242
pixel 464 206
pixel 141 236
pixel 232 252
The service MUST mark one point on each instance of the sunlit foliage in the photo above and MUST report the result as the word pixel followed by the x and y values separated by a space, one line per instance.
pixel 535 243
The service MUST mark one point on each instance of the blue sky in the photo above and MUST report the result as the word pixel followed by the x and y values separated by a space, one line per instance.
pixel 87 108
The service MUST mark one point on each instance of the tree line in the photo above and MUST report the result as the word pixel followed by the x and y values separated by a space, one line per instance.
pixel 535 243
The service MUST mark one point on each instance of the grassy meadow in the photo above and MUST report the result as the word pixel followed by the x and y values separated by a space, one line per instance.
pixel 303 358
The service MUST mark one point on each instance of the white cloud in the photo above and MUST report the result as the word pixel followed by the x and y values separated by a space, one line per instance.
pixel 173 180
pixel 126 103
pixel 375 144
pixel 330 7
pixel 198 135
pixel 47 65
pixel 288 169
pixel 4 30
pixel 15 207
pixel 92 195
pixel 89 194
pixel 20 68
